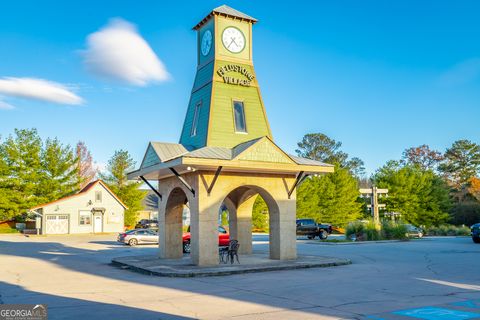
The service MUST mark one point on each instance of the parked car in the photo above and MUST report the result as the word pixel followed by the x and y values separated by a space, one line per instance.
pixel 138 236
pixel 311 229
pixel 475 232
pixel 223 239
pixel 147 224
pixel 414 232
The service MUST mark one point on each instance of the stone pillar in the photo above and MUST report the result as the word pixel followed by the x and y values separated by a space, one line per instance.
pixel 241 226
pixel 204 228
pixel 283 238
pixel 170 225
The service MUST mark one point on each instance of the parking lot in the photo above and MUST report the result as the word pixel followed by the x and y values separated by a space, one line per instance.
pixel 432 278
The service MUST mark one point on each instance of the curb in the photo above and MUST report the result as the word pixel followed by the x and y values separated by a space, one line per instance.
pixel 340 262
pixel 355 242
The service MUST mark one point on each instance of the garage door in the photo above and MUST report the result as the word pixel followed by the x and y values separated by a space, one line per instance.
pixel 57 224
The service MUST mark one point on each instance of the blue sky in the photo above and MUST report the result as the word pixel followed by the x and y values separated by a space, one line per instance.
pixel 380 76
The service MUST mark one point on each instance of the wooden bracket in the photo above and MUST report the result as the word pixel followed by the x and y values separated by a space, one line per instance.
pixel 217 173
pixel 182 180
pixel 299 179
pixel 151 187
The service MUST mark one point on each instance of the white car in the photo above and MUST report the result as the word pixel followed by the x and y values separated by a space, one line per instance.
pixel 138 236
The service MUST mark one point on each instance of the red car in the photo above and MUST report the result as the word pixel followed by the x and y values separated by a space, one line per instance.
pixel 223 239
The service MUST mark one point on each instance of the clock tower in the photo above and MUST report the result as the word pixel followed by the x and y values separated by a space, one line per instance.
pixel 225 107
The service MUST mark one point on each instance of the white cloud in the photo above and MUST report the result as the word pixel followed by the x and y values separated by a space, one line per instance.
pixel 119 52
pixel 5 106
pixel 38 89
pixel 462 72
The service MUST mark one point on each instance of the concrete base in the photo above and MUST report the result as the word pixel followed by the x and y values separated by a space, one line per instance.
pixel 184 268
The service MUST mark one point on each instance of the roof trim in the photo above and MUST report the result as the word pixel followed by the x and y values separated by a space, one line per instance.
pixel 80 193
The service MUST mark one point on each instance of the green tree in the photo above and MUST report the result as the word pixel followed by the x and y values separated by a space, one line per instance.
pixel 59 166
pixel 128 191
pixel 32 172
pixel 320 147
pixel 419 195
pixel 462 162
pixel 21 158
pixel 331 198
pixel 260 215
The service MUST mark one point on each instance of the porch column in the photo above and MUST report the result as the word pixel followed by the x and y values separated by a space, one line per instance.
pixel 241 225
pixel 283 238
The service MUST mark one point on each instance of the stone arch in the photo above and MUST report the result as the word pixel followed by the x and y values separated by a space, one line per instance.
pixel 239 202
pixel 170 229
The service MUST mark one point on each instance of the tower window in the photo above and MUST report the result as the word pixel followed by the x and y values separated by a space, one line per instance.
pixel 196 115
pixel 239 116
pixel 98 196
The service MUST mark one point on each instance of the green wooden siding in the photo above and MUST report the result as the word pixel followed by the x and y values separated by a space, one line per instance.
pixel 222 124
pixel 204 76
pixel 151 158
pixel 198 140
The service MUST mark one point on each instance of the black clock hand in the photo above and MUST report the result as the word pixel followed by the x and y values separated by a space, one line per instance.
pixel 233 40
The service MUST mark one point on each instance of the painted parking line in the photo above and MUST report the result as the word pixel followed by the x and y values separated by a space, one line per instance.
pixel 434 313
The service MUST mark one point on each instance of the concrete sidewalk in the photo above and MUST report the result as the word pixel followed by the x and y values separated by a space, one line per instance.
pixel 183 268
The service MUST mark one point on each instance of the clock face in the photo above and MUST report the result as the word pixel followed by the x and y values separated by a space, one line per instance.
pixel 233 39
pixel 206 42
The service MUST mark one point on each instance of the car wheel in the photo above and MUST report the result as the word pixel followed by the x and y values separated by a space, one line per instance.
pixel 186 247
pixel 323 235
pixel 310 237
pixel 476 239
pixel 132 242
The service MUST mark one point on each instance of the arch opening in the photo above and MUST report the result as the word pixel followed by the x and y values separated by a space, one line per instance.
pixel 239 203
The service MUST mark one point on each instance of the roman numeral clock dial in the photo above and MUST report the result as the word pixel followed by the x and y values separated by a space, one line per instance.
pixel 233 39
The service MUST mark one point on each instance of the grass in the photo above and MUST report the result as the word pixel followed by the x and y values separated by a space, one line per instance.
pixel 7 229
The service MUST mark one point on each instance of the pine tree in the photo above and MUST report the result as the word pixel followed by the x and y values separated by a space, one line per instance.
pixel 331 198
pixel 59 176
pixel 128 191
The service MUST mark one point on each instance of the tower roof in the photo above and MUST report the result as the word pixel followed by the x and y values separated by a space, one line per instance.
pixel 225 11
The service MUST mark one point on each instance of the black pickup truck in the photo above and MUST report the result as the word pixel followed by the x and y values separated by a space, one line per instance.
pixel 311 229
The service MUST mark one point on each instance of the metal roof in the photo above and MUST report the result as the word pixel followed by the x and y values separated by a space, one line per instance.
pixel 211 153
pixel 224 9
pixel 243 146
pixel 309 162
pixel 168 151
pixel 227 11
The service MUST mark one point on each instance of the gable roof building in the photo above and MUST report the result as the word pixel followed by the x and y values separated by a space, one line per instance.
pixel 94 209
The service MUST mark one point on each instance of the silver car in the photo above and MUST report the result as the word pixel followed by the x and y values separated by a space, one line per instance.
pixel 138 236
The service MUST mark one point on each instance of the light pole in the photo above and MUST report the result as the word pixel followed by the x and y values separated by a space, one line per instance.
pixel 373 192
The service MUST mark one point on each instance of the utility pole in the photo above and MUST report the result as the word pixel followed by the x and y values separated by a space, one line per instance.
pixel 373 193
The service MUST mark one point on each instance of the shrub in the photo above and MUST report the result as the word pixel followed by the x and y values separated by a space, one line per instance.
pixel 355 230
pixel 391 230
pixel 448 230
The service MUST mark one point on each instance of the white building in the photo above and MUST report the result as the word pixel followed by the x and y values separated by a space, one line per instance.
pixel 94 209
